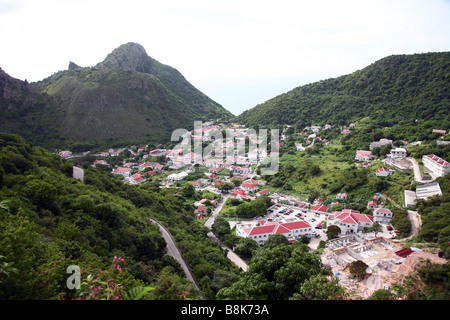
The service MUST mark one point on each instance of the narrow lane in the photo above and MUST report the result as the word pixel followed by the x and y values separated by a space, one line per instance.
pixel 231 255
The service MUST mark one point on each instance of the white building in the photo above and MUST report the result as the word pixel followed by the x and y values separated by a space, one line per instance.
pixel 382 215
pixel 398 153
pixel 177 176
pixel 436 164
pixel 291 230
pixel 363 155
pixel 383 172
pixel 350 221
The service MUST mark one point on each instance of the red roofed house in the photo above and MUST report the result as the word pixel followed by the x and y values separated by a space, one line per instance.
pixel 350 221
pixel 238 194
pixel 382 215
pixel 320 209
pixel 65 154
pixel 250 187
pixel 196 184
pixel 341 196
pixel 291 230
pixel 201 209
pixel 263 192
pixel 126 172
pixel 382 172
pixel 363 155
pixel 438 165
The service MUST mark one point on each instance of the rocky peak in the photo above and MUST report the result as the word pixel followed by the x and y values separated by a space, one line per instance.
pixel 73 66
pixel 128 56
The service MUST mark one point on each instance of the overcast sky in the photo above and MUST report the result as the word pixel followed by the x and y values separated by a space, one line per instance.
pixel 239 53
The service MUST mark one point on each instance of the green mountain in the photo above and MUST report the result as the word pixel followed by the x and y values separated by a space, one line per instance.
pixel 393 89
pixel 128 97
pixel 24 110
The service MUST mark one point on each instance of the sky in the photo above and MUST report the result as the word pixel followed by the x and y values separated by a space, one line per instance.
pixel 239 53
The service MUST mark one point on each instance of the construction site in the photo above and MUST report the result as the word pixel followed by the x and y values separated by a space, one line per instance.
pixel 388 262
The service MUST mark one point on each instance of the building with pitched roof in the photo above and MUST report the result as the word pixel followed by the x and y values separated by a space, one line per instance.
pixel 350 221
pixel 436 164
pixel 291 230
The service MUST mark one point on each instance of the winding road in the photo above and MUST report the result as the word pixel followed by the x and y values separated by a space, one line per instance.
pixel 78 173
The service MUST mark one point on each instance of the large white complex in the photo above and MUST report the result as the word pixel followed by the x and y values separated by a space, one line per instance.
pixel 291 230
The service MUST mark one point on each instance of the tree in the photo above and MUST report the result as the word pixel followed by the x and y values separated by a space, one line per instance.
pixel 275 240
pixel 42 193
pixel 224 187
pixel 376 227
pixel 246 247
pixel 275 273
pixel 333 232
pixel 188 191
pixel 320 287
pixel 221 228
pixel 358 269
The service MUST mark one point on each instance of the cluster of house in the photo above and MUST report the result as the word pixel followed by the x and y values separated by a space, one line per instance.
pixel 220 154
pixel 346 129
pixel 311 132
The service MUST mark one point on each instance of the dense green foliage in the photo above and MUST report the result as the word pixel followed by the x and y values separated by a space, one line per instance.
pixel 435 214
pixel 49 221
pixel 393 89
pixel 279 273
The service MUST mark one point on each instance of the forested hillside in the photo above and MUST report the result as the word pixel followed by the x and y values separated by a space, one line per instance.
pixel 393 89
pixel 49 221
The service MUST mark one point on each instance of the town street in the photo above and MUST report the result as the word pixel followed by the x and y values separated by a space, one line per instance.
pixel 231 255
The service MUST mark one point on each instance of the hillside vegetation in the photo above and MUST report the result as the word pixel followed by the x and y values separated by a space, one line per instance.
pixel 393 89
pixel 50 221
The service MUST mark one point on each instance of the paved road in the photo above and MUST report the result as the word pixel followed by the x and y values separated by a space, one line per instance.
pixel 78 173
pixel 417 174
pixel 173 250
pixel 231 255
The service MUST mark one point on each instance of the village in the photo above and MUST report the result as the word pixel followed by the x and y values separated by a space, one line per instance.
pixel 362 236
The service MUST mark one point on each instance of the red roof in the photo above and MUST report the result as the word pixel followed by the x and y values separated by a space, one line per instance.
pixel 438 160
pixel 195 183
pixel 276 228
pixel 352 217
pixel 404 252
pixel 321 208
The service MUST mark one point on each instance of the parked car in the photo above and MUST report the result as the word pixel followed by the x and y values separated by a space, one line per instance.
pixel 389 228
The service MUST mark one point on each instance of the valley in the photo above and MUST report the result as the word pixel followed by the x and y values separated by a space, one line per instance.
pixel 334 190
